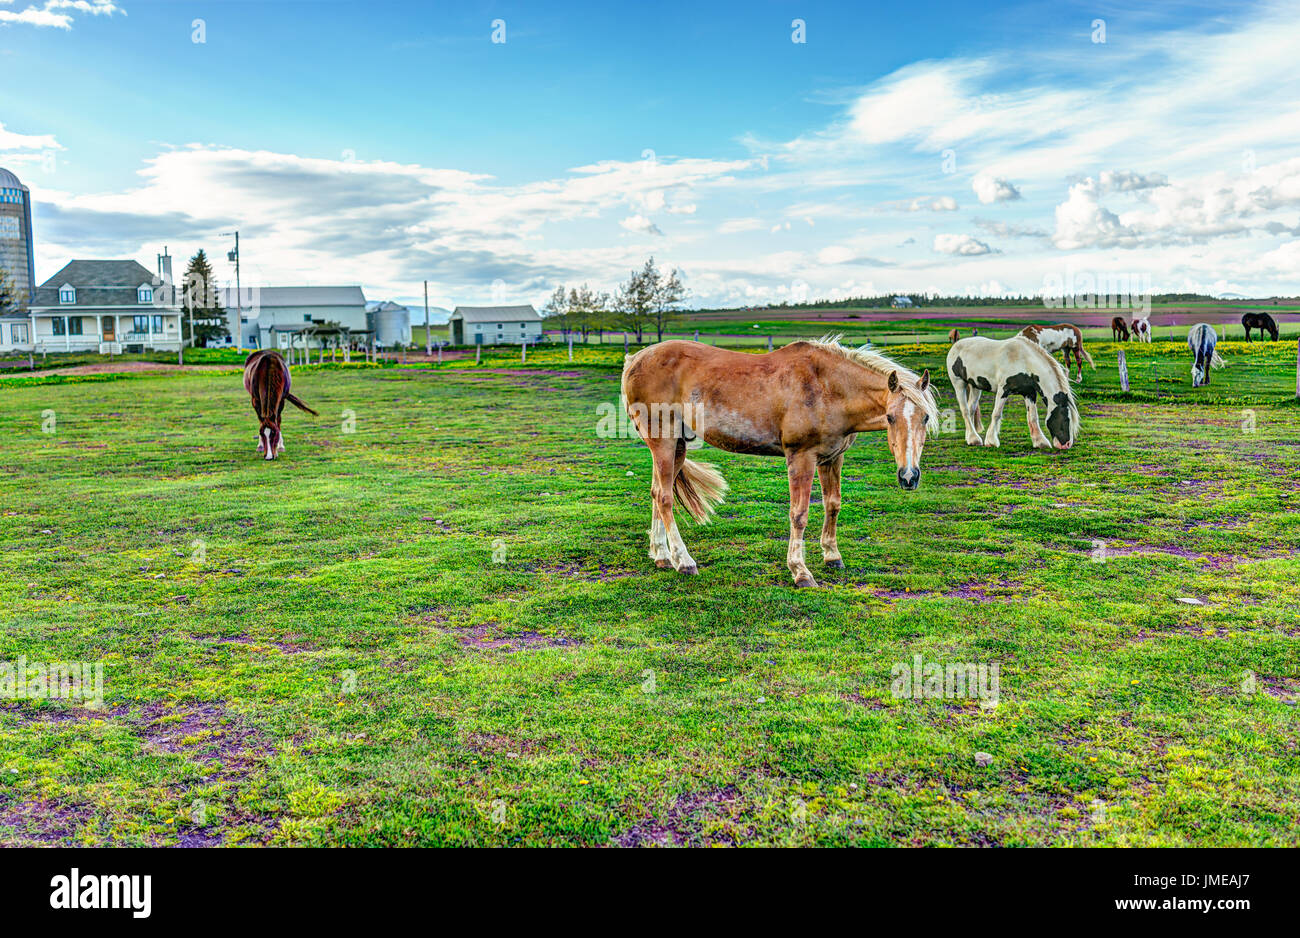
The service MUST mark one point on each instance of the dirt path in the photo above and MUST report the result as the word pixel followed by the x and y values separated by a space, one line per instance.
pixel 116 368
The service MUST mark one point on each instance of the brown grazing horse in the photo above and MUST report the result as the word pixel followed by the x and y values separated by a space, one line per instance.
pixel 806 402
pixel 953 335
pixel 1119 329
pixel 266 379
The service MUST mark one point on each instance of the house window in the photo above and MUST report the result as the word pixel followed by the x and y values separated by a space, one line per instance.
pixel 157 324
pixel 67 295
pixel 139 323
pixel 18 332
pixel 74 325
pixel 144 295
pixel 306 317
pixel 59 325
pixel 499 326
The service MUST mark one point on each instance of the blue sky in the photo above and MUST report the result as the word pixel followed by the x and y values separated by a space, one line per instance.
pixel 931 146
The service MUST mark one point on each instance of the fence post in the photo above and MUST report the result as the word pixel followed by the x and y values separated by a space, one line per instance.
pixel 769 343
pixel 1123 372
pixel 570 348
pixel 697 335
pixel 523 354
pixel 1297 370
pixel 478 353
pixel 624 343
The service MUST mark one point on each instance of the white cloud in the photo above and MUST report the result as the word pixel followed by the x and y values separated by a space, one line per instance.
pixel 58 14
pixel 639 224
pixel 990 189
pixel 963 245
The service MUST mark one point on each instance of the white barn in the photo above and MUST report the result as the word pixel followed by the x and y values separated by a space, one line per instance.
pixel 495 325
pixel 277 317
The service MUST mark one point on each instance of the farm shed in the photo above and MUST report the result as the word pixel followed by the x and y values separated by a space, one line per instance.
pixel 495 325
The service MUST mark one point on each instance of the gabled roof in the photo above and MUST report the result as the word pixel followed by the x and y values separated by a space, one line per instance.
pixel 273 297
pixel 98 283
pixel 495 313
pixel 384 307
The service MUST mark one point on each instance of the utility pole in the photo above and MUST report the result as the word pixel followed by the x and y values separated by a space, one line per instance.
pixel 428 337
pixel 239 301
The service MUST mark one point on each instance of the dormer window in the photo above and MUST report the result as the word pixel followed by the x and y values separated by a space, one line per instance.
pixel 144 294
pixel 67 294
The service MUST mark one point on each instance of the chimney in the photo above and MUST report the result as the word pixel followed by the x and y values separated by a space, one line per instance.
pixel 165 266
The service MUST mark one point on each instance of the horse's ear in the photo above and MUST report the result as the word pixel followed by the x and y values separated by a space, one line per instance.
pixel 893 381
pixel 925 380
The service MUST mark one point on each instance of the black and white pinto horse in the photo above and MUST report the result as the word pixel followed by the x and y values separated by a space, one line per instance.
pixel 1261 321
pixel 1201 340
pixel 1015 367
pixel 266 379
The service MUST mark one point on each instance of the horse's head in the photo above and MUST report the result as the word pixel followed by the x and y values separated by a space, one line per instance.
pixel 1062 420
pixel 907 415
pixel 268 437
pixel 1198 374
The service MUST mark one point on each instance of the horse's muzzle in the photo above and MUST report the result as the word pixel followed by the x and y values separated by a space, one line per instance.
pixel 909 478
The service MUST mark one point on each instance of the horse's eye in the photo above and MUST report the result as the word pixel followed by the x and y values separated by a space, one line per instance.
pixel 925 420
pixel 890 418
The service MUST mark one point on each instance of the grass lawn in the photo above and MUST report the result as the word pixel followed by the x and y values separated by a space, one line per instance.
pixel 433 621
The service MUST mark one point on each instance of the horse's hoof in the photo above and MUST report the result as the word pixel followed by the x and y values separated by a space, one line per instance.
pixel 805 583
pixel 664 564
pixel 692 570
pixel 837 563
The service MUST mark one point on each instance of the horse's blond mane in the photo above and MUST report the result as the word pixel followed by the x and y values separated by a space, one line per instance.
pixel 1062 376
pixel 908 381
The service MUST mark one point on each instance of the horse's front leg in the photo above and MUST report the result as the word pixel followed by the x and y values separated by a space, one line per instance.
pixel 1036 435
pixel 968 414
pixel 800 468
pixel 829 474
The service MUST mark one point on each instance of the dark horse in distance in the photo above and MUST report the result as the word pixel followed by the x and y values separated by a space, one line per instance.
pixel 266 379
pixel 1261 321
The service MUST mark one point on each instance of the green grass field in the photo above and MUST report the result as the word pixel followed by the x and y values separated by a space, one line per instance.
pixel 433 621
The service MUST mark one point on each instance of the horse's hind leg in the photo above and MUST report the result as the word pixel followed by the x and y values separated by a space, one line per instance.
pixel 962 393
pixel 995 419
pixel 669 454
pixel 829 474
pixel 976 417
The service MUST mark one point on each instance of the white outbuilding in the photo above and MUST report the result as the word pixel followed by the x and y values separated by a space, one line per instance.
pixel 495 325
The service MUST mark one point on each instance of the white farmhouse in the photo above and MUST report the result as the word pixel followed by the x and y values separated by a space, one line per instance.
pixel 277 317
pixel 105 307
pixel 495 325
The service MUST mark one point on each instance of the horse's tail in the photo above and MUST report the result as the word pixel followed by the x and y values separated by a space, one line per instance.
pixel 299 404
pixel 1215 360
pixel 1086 357
pixel 698 487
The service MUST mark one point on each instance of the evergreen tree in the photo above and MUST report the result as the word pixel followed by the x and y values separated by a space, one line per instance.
pixel 202 302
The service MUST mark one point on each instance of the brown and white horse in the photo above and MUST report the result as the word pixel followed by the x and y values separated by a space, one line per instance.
pixel 1063 335
pixel 1141 330
pixel 806 402
pixel 266 379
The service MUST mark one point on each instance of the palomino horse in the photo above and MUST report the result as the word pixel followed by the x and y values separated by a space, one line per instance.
pixel 1063 335
pixel 806 402
pixel 1261 321
pixel 1013 367
pixel 266 379
pixel 1201 339
pixel 1141 330
pixel 1119 329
